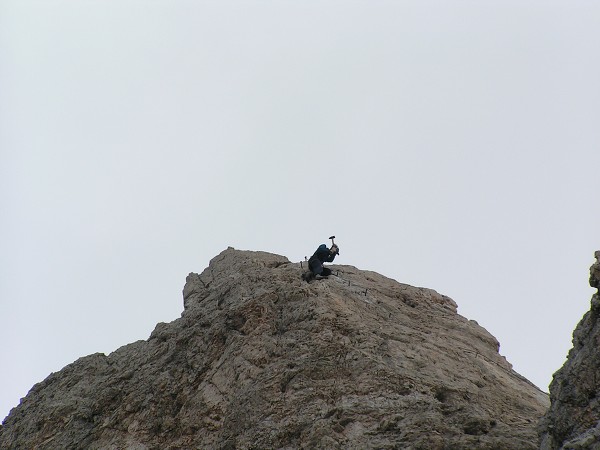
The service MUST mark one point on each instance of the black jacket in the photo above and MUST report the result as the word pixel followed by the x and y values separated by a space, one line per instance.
pixel 323 254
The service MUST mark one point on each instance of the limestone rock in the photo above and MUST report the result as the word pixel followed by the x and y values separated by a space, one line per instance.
pixel 573 420
pixel 262 360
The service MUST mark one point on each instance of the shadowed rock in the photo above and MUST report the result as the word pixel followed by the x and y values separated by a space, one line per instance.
pixel 573 420
pixel 262 360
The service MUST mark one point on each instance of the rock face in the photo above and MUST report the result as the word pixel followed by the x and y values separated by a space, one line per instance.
pixel 595 272
pixel 573 420
pixel 262 360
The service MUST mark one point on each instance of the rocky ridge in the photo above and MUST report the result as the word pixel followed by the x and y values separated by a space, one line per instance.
pixel 573 420
pixel 262 360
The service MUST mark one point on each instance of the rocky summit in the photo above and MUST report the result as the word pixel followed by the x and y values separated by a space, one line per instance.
pixel 260 359
pixel 573 420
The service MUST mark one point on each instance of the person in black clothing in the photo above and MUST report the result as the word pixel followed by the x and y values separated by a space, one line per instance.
pixel 315 263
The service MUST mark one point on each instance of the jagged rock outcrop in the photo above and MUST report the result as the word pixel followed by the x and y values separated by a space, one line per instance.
pixel 573 420
pixel 595 272
pixel 262 360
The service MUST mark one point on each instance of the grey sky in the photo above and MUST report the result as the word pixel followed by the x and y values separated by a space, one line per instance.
pixel 451 145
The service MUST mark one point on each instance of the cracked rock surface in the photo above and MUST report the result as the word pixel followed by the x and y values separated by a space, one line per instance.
pixel 262 360
pixel 573 420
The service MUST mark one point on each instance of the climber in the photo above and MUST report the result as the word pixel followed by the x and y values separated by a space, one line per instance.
pixel 315 263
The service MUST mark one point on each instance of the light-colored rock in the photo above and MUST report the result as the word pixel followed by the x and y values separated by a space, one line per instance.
pixel 262 360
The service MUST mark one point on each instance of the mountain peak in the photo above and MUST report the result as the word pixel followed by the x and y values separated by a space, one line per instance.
pixel 262 359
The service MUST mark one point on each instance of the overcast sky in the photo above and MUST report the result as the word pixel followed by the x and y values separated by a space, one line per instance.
pixel 447 144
